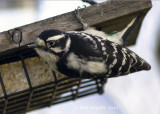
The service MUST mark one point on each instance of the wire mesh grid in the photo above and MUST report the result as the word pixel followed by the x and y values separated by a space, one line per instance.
pixel 47 94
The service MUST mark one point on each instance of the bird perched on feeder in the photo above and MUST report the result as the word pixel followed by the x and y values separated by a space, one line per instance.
pixel 89 53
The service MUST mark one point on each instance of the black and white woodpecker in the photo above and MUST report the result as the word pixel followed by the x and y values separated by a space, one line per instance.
pixel 89 53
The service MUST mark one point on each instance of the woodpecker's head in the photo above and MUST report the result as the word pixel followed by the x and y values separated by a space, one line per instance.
pixel 52 41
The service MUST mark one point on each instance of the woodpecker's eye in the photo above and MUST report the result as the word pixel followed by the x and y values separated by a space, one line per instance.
pixel 50 43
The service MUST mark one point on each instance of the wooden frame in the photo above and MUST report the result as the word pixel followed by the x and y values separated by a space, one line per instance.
pixel 109 16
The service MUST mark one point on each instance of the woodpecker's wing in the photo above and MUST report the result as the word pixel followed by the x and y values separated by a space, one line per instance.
pixel 86 46
pixel 116 59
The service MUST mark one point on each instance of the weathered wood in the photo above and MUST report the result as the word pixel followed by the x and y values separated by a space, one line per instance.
pixel 110 16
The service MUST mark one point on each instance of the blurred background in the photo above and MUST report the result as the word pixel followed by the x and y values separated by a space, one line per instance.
pixel 137 93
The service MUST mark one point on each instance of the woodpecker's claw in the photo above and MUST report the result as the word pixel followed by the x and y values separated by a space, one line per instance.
pixel 79 17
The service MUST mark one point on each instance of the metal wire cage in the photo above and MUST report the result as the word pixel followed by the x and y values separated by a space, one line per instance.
pixel 53 92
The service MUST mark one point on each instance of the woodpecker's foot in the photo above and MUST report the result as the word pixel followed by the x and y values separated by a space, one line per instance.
pixel 78 15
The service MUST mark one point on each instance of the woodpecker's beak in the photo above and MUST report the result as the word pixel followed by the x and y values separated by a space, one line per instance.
pixel 34 45
pixel 39 43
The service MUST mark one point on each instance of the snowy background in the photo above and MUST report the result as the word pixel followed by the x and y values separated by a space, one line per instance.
pixel 137 93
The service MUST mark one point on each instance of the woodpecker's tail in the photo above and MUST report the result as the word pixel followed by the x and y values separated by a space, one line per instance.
pixel 140 65
pixel 126 33
pixel 144 66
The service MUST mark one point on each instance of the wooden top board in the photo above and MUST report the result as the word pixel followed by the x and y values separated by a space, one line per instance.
pixel 109 16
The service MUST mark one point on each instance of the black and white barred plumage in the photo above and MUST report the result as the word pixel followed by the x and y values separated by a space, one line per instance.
pixel 80 54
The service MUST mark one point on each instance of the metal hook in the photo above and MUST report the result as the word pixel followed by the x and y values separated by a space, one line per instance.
pixel 16 36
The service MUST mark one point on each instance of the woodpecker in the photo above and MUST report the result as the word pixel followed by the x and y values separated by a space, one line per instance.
pixel 89 53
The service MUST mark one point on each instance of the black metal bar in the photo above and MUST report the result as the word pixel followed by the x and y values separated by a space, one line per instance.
pixel 72 91
pixel 57 102
pixel 88 85
pixel 54 75
pixel 55 88
pixel 103 82
pixel 66 87
pixel 16 103
pixel 5 106
pixel 29 82
pixel 16 110
pixel 26 72
pixel 12 57
pixel 14 94
pixel 29 101
pixel 53 94
pixel 3 87
pixel 41 99
pixel 69 82
pixel 98 87
pixel 77 90
pixel 42 93
pixel 5 95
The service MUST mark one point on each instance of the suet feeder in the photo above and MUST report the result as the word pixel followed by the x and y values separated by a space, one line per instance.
pixel 26 81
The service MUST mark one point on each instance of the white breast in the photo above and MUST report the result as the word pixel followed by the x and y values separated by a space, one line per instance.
pixel 51 59
pixel 93 67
